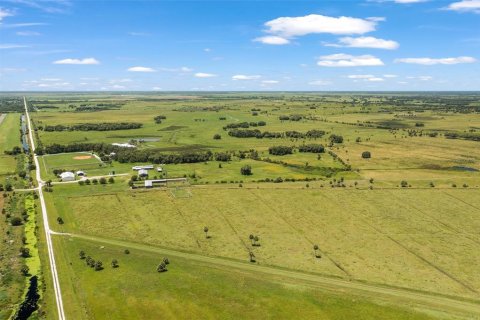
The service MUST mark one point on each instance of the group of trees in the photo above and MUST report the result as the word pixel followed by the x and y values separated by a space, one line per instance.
pixel 312 148
pixel 293 117
pixel 280 150
pixel 244 125
pixel 96 265
pixel 158 119
pixel 246 170
pixel 102 180
pixel 255 133
pixel 335 138
pixel 104 126
pixel 312 134
pixel 462 135
pixel 15 150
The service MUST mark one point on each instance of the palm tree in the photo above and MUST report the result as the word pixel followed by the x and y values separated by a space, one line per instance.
pixel 205 229
pixel 252 256
pixel 251 237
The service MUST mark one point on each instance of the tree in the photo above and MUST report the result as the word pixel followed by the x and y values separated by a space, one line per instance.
pixel 246 170
pixel 24 252
pixel 315 249
pixel 127 251
pixel 98 265
pixel 162 267
pixel 114 263
pixel 166 261
pixel 217 137
pixel 251 237
pixel 366 155
pixel 205 229
pixel 404 184
pixel 25 270
pixel 16 221
pixel 60 220
pixel 82 254
pixel 103 180
pixel 255 240
pixel 252 256
pixel 111 180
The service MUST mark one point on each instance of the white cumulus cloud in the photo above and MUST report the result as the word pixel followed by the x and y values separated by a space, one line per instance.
pixel 314 23
pixel 77 61
pixel 366 42
pixel 141 69
pixel 5 13
pixel 245 77
pixel 465 6
pixel 433 61
pixel 204 75
pixel 274 40
pixel 270 81
pixel 346 60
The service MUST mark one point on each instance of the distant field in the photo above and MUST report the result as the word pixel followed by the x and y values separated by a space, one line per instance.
pixel 192 289
pixel 9 138
pixel 405 238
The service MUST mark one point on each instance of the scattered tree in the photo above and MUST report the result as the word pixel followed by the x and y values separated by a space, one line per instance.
pixel 205 229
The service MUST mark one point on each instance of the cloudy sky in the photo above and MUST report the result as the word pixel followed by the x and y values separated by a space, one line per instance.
pixel 313 45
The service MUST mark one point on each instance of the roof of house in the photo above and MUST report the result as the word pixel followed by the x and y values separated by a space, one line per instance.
pixel 142 171
pixel 67 174
pixel 148 183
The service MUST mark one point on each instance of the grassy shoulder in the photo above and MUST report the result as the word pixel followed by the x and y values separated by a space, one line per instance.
pixel 193 290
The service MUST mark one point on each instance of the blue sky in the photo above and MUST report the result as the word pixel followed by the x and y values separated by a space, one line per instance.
pixel 239 45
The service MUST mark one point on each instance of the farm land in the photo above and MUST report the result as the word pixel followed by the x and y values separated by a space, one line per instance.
pixel 285 195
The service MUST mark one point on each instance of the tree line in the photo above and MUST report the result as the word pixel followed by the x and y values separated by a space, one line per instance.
pixel 244 125
pixel 104 126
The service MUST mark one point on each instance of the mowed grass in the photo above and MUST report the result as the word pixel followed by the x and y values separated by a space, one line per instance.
pixel 419 239
pixel 194 290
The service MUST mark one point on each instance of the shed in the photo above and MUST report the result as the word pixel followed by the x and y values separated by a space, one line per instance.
pixel 80 173
pixel 148 184
pixel 159 169
pixel 67 176
pixel 142 173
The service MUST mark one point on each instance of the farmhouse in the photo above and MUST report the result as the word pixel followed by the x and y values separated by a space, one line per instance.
pixel 67 176
pixel 146 167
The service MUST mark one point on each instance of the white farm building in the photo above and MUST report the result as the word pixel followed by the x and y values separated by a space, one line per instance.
pixel 67 176
pixel 142 173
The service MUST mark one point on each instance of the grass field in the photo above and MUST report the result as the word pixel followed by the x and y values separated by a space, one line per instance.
pixel 9 138
pixel 421 238
pixel 405 238
pixel 193 289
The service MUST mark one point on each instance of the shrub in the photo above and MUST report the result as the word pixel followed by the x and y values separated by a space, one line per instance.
pixel 404 184
pixel 246 170
pixel 217 136
pixel 16 221
pixel 366 155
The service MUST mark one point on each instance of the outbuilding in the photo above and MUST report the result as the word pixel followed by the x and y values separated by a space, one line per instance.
pixel 67 176
pixel 142 173
pixel 80 173
pixel 148 184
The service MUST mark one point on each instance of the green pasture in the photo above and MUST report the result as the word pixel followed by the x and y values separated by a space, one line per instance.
pixel 420 239
pixel 191 289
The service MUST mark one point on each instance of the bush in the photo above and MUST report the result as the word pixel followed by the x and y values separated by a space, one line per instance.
pixel 16 221
pixel 404 184
pixel 366 155
pixel 336 139
pixel 217 136
pixel 103 180
pixel 246 170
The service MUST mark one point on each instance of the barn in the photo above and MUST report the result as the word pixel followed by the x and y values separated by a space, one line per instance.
pixel 67 176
